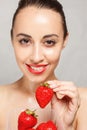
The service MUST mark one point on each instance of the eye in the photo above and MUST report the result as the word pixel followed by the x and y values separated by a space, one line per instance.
pixel 24 41
pixel 50 43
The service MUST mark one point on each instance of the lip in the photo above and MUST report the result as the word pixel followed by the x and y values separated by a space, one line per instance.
pixel 36 69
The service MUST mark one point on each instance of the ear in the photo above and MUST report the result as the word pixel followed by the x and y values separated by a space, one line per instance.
pixel 65 40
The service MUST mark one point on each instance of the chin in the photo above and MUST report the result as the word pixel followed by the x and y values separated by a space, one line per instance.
pixel 38 80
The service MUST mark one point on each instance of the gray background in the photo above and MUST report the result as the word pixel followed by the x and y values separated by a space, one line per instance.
pixel 73 63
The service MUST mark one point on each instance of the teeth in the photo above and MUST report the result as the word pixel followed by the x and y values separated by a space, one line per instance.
pixel 37 68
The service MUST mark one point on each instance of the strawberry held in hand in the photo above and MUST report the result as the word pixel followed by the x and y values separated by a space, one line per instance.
pixel 47 126
pixel 44 94
pixel 27 119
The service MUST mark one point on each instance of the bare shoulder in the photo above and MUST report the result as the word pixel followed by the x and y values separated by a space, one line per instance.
pixel 5 94
pixel 83 96
pixel 4 90
pixel 82 90
pixel 82 112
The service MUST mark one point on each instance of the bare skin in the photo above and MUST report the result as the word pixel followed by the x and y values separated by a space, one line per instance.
pixel 38 40
pixel 81 114
pixel 18 99
pixel 15 97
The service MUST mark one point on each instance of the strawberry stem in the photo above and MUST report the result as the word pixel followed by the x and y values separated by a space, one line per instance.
pixel 45 85
pixel 29 112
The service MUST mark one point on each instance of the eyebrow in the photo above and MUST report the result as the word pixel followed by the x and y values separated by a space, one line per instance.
pixel 46 36
pixel 51 35
pixel 23 34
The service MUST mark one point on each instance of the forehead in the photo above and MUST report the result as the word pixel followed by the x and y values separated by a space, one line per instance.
pixel 36 19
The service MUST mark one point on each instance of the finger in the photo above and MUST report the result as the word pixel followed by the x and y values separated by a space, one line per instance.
pixel 66 82
pixel 67 91
pixel 63 88
pixel 67 86
pixel 60 96
pixel 74 99
pixel 60 82
pixel 55 83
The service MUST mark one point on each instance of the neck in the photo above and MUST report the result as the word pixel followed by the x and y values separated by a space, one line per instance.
pixel 30 87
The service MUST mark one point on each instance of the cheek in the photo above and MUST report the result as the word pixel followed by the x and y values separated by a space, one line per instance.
pixel 53 55
pixel 20 54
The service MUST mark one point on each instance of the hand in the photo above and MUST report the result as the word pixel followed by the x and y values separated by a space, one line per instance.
pixel 65 103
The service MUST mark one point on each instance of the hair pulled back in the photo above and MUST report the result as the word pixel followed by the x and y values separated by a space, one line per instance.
pixel 48 4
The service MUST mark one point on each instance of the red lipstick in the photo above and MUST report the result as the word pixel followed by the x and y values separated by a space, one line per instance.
pixel 36 69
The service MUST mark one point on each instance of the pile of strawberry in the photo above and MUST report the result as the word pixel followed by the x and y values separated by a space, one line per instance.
pixel 28 119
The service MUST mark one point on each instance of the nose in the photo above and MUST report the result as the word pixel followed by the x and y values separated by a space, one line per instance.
pixel 36 54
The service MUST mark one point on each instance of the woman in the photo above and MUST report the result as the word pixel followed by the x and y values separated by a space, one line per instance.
pixel 39 34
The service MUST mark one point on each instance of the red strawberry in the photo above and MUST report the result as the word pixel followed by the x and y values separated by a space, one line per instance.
pixel 27 119
pixel 44 94
pixel 23 128
pixel 41 126
pixel 47 126
pixel 50 125
pixel 30 129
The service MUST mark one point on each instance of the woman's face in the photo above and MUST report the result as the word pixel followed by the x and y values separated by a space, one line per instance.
pixel 38 42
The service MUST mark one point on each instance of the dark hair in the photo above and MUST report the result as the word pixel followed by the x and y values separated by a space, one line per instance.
pixel 49 4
